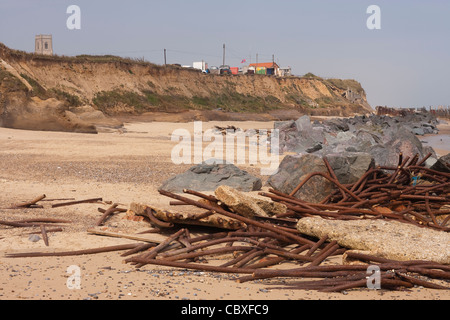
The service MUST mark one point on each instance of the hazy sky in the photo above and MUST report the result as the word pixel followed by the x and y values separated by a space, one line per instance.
pixel 406 63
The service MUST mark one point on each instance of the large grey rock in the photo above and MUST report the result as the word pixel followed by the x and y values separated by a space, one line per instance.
pixel 299 136
pixel 293 169
pixel 303 123
pixel 347 166
pixel 350 166
pixel 384 137
pixel 442 164
pixel 337 124
pixel 207 177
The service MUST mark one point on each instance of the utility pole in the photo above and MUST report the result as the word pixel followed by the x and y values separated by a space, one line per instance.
pixel 273 64
pixel 223 54
pixel 165 59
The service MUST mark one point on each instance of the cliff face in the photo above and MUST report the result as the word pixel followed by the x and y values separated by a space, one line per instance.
pixel 116 86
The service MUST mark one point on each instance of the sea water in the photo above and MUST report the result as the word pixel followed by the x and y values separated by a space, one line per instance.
pixel 439 142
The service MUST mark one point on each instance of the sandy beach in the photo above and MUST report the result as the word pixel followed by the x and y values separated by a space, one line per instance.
pixel 119 166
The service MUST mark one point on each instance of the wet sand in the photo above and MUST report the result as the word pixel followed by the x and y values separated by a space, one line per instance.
pixel 440 142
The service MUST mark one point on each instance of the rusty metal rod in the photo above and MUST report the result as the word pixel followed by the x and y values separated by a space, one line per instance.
pixel 56 205
pixel 280 198
pixel 332 174
pixel 47 230
pixel 248 257
pixel 240 218
pixel 201 195
pixel 427 206
pixel 421 162
pixel 44 235
pixel 154 251
pixel 337 183
pixel 142 247
pixel 317 245
pixel 194 266
pixel 157 222
pixel 325 253
pixel 242 257
pixel 215 251
pixel 419 197
pixel 429 272
pixel 106 214
pixel 29 203
pixel 204 245
pixel 289 255
pixel 423 283
pixel 49 220
pixel 72 253
pixel 26 224
pixel 277 260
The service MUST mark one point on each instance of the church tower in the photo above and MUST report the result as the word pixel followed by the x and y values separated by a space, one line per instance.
pixel 43 44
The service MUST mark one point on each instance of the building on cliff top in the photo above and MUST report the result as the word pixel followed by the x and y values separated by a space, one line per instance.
pixel 268 68
pixel 43 44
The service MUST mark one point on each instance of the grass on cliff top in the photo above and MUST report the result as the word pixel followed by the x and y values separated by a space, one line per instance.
pixel 107 101
pixel 346 84
pixel 342 84
pixel 18 54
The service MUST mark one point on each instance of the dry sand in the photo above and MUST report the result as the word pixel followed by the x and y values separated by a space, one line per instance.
pixel 121 167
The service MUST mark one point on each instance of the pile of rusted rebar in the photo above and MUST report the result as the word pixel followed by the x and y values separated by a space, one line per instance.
pixel 408 193
pixel 271 247
pixel 261 242
pixel 380 274
pixel 267 242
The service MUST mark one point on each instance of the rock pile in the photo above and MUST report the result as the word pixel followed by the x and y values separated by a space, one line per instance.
pixel 383 137
pixel 207 177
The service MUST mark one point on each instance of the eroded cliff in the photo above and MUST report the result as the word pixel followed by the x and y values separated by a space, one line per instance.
pixel 84 90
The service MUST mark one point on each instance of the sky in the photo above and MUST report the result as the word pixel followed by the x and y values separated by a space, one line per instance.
pixel 404 63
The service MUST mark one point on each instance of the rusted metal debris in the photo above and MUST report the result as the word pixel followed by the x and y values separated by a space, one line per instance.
pixel 73 253
pixel 70 203
pixel 30 204
pixel 409 193
pixel 33 203
pixel 264 242
pixel 38 222
pixel 255 247
pixel 44 222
